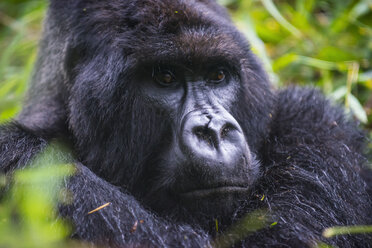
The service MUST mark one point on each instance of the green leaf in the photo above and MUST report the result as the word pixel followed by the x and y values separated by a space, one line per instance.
pixel 357 109
pixel 284 61
pixel 339 93
pixel 270 6
pixel 344 230
pixel 335 54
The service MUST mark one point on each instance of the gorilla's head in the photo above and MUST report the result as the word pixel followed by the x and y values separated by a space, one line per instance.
pixel 165 99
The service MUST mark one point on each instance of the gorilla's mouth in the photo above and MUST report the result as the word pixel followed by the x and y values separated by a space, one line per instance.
pixel 209 192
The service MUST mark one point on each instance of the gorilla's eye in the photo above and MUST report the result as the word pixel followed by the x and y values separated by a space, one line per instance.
pixel 164 78
pixel 217 76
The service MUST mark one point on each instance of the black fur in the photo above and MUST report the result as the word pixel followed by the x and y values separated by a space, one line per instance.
pixel 85 89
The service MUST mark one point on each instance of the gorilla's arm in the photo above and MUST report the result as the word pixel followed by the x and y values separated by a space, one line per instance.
pixel 18 146
pixel 310 178
pixel 124 221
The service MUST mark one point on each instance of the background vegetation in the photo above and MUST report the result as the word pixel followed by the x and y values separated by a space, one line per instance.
pixel 325 44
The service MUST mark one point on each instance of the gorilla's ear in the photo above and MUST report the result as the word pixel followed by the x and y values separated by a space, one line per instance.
pixel 45 111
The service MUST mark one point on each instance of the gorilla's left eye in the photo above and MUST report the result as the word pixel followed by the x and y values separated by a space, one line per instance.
pixel 164 78
pixel 217 76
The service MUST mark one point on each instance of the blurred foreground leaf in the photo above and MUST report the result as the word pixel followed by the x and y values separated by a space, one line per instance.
pixel 243 228
pixel 28 215
pixel 343 230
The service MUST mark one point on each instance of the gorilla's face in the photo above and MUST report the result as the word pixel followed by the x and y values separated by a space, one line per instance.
pixel 207 160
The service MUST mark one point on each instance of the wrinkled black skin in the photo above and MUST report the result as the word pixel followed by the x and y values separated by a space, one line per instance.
pixel 93 87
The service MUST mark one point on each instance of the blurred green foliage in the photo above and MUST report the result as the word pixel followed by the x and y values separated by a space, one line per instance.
pixel 247 225
pixel 20 28
pixel 29 200
pixel 325 43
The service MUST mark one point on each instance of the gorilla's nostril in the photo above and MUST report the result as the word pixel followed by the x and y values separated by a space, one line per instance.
pixel 203 133
pixel 226 129
pixel 224 132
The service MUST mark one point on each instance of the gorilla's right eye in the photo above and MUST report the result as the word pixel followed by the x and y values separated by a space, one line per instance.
pixel 164 77
pixel 217 76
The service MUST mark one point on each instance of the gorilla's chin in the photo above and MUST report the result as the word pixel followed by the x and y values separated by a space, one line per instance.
pixel 218 199
pixel 206 206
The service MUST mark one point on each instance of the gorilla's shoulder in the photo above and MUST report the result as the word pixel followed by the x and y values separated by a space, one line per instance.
pixel 306 114
pixel 306 105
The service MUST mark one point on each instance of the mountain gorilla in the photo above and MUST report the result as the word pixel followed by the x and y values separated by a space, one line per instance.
pixel 172 120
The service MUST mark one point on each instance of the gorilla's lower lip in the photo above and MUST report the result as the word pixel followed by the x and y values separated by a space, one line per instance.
pixel 201 193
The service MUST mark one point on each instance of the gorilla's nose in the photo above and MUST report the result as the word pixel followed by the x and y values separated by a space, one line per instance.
pixel 211 132
pixel 212 137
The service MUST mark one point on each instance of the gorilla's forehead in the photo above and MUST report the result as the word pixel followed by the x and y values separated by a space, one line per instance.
pixel 192 46
pixel 144 17
pixel 170 30
pixel 176 30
